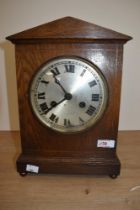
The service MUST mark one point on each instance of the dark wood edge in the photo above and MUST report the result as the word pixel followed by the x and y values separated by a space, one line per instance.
pixel 66 40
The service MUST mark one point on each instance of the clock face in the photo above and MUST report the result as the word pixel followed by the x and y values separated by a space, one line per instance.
pixel 68 94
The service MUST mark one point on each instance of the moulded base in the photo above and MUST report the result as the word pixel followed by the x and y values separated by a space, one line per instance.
pixel 68 165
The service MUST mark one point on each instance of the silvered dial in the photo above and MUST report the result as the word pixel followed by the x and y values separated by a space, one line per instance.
pixel 68 94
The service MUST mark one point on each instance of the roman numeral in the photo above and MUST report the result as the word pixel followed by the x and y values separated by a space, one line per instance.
pixel 44 81
pixel 95 97
pixel 70 68
pixel 67 123
pixel 41 95
pixel 81 120
pixel 44 107
pixel 55 71
pixel 53 118
pixel 91 110
pixel 92 83
pixel 83 72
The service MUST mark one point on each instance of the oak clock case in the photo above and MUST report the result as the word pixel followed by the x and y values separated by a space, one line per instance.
pixel 68 94
pixel 69 83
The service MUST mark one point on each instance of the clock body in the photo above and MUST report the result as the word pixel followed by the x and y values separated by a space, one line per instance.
pixel 77 131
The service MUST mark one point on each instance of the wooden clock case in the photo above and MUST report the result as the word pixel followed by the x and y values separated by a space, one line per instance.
pixel 55 152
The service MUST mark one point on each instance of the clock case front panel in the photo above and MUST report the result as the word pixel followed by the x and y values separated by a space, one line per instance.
pixel 55 152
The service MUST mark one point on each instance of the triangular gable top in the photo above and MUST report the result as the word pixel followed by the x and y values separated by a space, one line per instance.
pixel 68 28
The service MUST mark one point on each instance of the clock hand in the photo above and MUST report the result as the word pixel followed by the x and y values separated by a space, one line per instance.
pixel 54 104
pixel 57 103
pixel 67 96
pixel 57 81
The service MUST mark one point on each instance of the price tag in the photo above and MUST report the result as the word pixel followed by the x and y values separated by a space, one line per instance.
pixel 32 168
pixel 106 143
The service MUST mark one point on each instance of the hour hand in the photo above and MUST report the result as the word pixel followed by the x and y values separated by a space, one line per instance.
pixel 57 81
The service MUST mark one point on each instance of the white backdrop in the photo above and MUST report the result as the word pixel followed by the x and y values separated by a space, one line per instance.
pixel 120 15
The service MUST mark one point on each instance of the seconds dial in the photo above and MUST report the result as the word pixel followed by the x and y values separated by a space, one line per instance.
pixel 68 94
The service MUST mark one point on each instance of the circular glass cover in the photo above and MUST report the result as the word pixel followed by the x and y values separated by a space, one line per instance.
pixel 68 94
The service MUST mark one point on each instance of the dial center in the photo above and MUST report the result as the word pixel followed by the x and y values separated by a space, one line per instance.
pixel 68 96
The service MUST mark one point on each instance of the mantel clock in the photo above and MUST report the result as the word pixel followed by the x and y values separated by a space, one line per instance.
pixel 69 82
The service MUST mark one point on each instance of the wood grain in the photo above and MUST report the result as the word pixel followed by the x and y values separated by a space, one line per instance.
pixel 40 140
pixel 61 192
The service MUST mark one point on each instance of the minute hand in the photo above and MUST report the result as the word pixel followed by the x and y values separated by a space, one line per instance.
pixel 49 109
